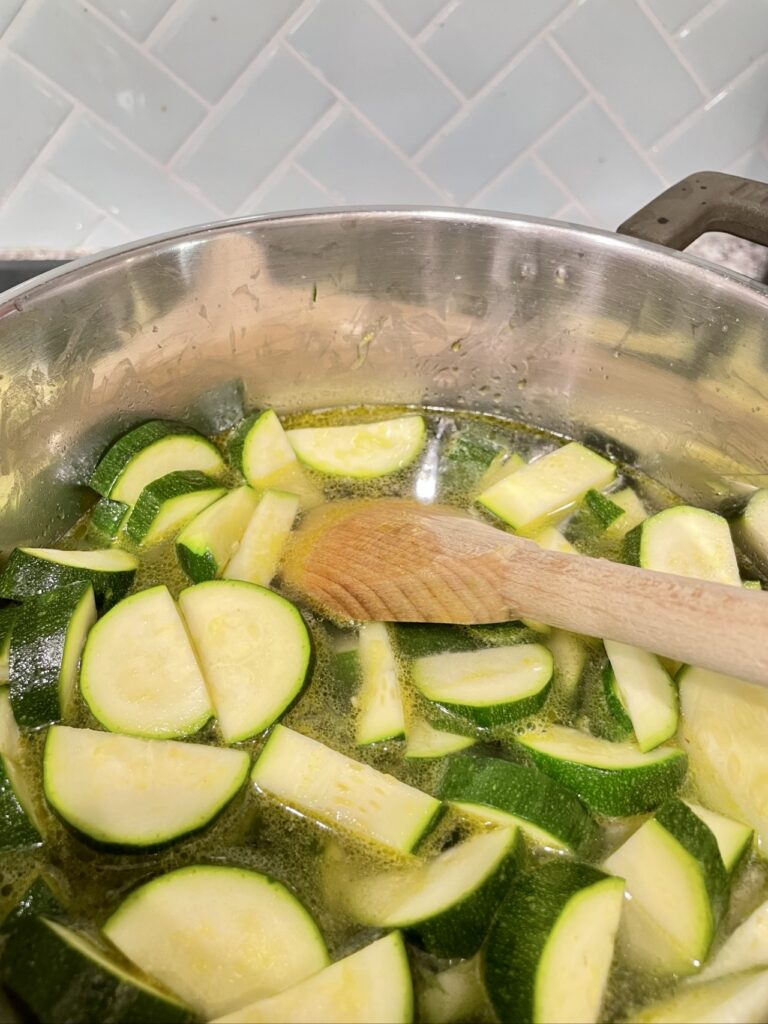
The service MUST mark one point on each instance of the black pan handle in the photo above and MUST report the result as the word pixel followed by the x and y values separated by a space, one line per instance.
pixel 707 201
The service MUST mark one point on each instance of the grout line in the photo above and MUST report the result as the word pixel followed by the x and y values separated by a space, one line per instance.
pixel 420 55
pixel 25 13
pixel 498 76
pixel 106 219
pixel 547 171
pixel 301 169
pixel 321 125
pixel 601 102
pixel 44 173
pixel 429 28
pixel 38 161
pixel 557 215
pixel 699 17
pixel 170 14
pixel 681 58
pixel 372 128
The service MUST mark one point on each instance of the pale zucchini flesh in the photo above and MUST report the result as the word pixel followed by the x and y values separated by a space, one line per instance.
pixel 751 528
pixel 379 703
pixel 686 541
pixel 732 837
pixel 323 784
pixel 168 504
pixel 424 741
pixel 260 448
pixel 362 451
pixel 257 557
pixel 207 543
pixel 647 692
pixel 31 571
pixel 733 999
pixel 744 949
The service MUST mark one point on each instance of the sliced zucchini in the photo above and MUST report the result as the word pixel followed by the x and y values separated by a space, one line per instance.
pixel 647 693
pixel 254 651
pixel 363 450
pixel 62 976
pixel 17 829
pixel 732 999
pixel 148 452
pixel 611 778
pixel 723 729
pixel 258 555
pixel 550 538
pixel 46 643
pixel 547 486
pixel 677 889
pixel 10 734
pixel 219 937
pixel 7 618
pixel 139 673
pixel 603 510
pixel 569 652
pixel 504 464
pixel 751 528
pixel 39 900
pixel 446 902
pixel 551 946
pixel 469 456
pixel 686 541
pixel 379 704
pixel 32 571
pixel 374 984
pixel 744 949
pixel 168 503
pixel 488 686
pixel 453 995
pixel 205 546
pixel 106 518
pixel 633 513
pixel 124 791
pixel 311 778
pixel 424 741
pixel 548 813
pixel 607 709
pixel 259 448
pixel 733 839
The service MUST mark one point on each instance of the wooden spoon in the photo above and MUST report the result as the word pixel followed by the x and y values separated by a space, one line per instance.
pixel 394 560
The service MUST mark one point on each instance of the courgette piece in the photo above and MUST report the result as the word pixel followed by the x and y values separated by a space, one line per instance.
pixel 446 902
pixel 32 571
pixel 647 693
pixel 724 723
pixel 7 618
pixel 668 925
pixel 259 448
pixel 379 704
pixel 550 539
pixel 139 672
pixel 254 652
pixel 206 544
pixel 686 541
pixel 10 734
pixel 100 783
pixel 373 984
pixel 489 686
pixel 422 741
pixel 150 451
pixel 258 555
pixel 741 997
pixel 45 649
pixel 168 503
pixel 550 949
pixel 323 784
pixel 17 829
pixel 733 839
pixel 603 510
pixel 219 937
pixel 633 513
pixel 744 949
pixel 39 900
pixel 547 486
pixel 361 451
pixel 751 528
pixel 62 976
pixel 468 456
pixel 547 813
pixel 569 652
pixel 453 995
pixel 610 778
pixel 106 518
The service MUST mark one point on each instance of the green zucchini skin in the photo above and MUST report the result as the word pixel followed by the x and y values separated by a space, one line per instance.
pixel 16 830
pixel 106 518
pixel 491 716
pixel 697 838
pixel 522 791
pixel 26 576
pixel 238 437
pixel 154 496
pixel 121 451
pixel 514 949
pixel 38 900
pixel 199 566
pixel 61 985
pixel 602 508
pixel 37 653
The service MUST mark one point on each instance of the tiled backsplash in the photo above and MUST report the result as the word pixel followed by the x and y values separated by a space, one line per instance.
pixel 128 117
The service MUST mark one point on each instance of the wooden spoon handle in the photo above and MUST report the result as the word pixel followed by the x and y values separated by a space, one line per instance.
pixel 720 627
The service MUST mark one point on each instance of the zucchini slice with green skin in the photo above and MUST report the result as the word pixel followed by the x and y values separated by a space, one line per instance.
pixel 254 651
pixel 633 513
pixel 168 503
pixel 219 937
pixel 139 672
pixel 751 528
pixel 10 734
pixel 447 902
pixel 379 703
pixel 17 830
pixel 106 518
pixel 207 543
pixel 741 998
pixel 45 649
pixel 38 900
pixel 550 948
pixel 32 571
pixel 546 812
pixel 422 741
pixel 570 653
pixel 548 486
pixel 259 448
pixel 489 686
pixel 686 541
pixel 323 784
pixel 550 539
pixel 647 694
pixel 467 460
pixel 744 949
pixel 373 985
pixel 733 839
pixel 258 555
pixel 724 722
pixel 150 451
pixel 610 778
pixel 7 618
pixel 62 976
pixel 668 928
pixel 99 783
pixel 361 451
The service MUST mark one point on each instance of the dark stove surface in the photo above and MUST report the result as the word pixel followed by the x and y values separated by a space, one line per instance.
pixel 14 272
